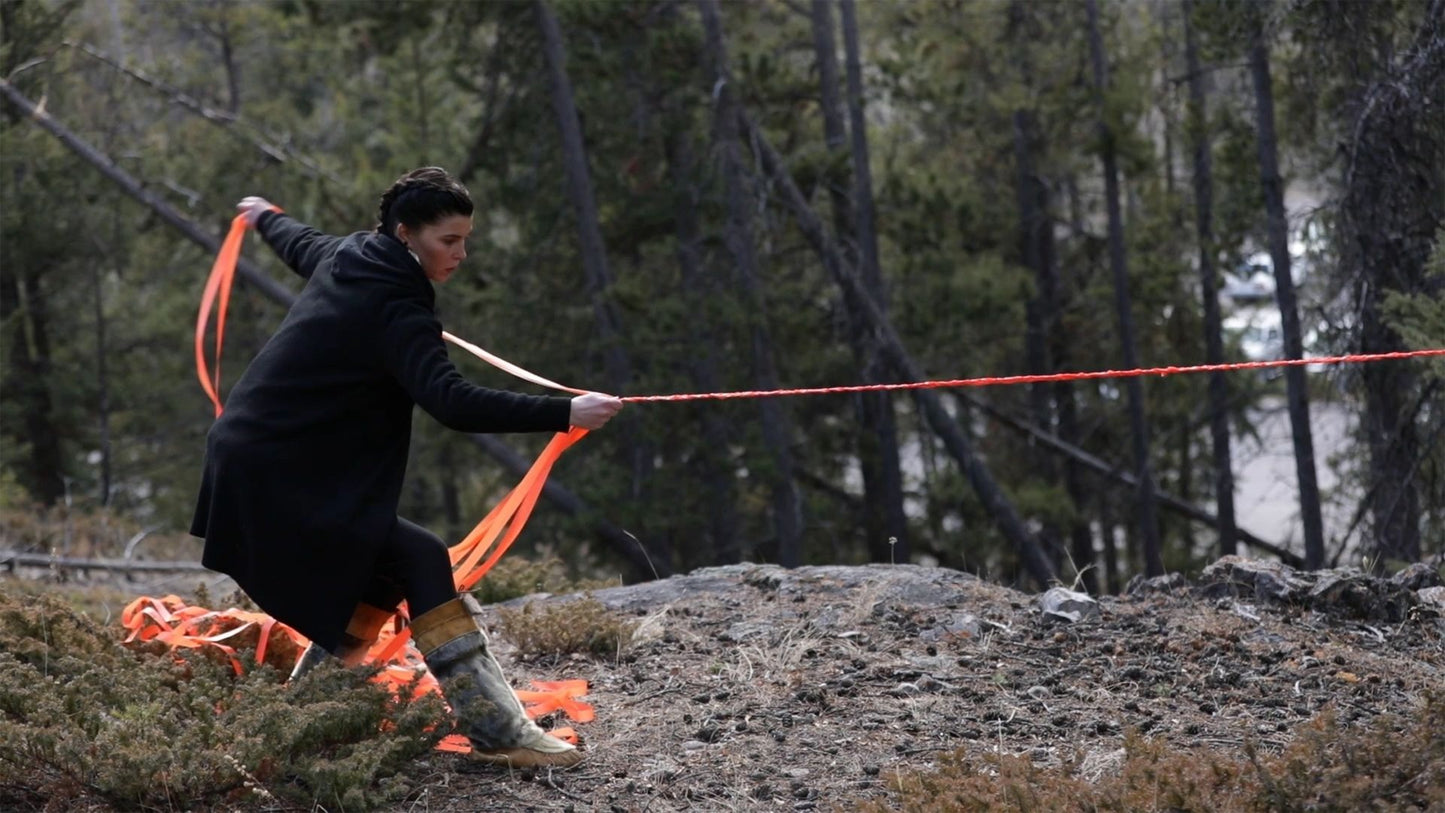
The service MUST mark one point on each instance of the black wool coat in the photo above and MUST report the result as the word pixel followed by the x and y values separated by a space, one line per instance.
pixel 304 468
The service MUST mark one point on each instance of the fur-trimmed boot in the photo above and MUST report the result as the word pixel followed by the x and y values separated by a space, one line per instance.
pixel 454 645
pixel 366 623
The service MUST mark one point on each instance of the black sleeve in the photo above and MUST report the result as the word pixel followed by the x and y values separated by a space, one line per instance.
pixel 297 244
pixel 414 354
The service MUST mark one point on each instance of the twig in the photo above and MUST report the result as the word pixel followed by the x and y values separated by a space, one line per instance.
pixel 554 786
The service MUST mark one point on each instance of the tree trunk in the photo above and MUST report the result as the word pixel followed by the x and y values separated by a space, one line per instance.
pixel 1297 394
pixel 880 423
pixel 597 274
pixel 624 544
pixel 835 136
pixel 714 463
pixel 955 440
pixel 1390 219
pixel 102 369
pixel 1041 309
pixel 22 308
pixel 1047 345
pixel 1209 284
pixel 777 426
pixel 1109 540
pixel 1138 426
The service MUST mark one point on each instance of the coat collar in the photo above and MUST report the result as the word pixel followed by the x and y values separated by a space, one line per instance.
pixel 387 258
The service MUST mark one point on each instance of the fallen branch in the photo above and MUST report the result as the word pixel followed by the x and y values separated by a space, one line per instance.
pixel 12 559
pixel 1169 501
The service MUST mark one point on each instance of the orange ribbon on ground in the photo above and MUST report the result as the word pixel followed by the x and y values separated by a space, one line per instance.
pixel 171 622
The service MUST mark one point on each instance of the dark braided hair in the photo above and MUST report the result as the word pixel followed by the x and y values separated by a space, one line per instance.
pixel 422 197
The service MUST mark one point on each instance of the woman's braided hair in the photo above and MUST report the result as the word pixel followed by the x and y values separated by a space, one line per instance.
pixel 422 197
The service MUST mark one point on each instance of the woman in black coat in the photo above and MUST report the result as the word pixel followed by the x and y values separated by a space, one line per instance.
pixel 304 468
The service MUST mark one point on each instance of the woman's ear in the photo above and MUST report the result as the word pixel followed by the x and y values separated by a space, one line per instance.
pixel 401 234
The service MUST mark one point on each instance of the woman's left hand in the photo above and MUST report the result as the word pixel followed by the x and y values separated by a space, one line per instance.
pixel 253 207
pixel 592 410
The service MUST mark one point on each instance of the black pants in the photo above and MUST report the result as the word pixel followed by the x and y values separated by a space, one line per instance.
pixel 413 565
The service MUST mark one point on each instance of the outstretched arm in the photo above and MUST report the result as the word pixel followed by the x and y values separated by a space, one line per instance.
pixel 413 353
pixel 301 247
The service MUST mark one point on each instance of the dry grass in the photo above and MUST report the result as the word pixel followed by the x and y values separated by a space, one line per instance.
pixel 581 626
pixel 1395 763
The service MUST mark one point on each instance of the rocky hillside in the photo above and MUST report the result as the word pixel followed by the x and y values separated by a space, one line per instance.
pixel 752 687
pixel 757 688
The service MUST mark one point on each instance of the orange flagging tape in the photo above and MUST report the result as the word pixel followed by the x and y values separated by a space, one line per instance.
pixel 176 625
pixel 169 621
pixel 990 381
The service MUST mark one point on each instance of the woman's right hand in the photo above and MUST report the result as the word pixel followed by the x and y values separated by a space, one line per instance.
pixel 592 410
pixel 252 207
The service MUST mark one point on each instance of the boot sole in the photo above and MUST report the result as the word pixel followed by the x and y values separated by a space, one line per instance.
pixel 527 758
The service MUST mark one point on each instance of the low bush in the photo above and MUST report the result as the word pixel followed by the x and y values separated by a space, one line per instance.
pixel 514 577
pixel 583 626
pixel 86 721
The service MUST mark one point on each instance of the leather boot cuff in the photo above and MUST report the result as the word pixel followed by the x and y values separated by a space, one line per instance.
pixel 441 624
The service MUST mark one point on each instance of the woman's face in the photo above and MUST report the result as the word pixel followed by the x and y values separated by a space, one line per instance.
pixel 440 246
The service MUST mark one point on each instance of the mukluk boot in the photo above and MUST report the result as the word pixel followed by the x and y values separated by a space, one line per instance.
pixel 454 645
pixel 361 631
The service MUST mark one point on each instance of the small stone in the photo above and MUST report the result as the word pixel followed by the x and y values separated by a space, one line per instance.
pixel 1060 602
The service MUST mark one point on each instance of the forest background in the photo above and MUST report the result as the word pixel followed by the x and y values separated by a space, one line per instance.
pixel 678 196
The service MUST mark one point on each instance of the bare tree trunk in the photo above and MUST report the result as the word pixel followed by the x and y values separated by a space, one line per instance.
pixel 884 520
pixel 1139 428
pixel 1390 219
pixel 777 426
pixel 714 464
pixel 22 309
pixel 1209 284
pixel 1048 347
pixel 955 440
pixel 1297 394
pixel 625 545
pixel 835 136
pixel 1109 538
pixel 1040 310
pixel 228 61
pixel 598 276
pixel 879 417
pixel 102 373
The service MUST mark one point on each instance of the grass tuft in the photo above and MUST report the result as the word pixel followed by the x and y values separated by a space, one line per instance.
pixel 1396 763
pixel 581 626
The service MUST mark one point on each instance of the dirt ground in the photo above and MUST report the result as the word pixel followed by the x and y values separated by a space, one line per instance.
pixel 758 688
pixel 751 687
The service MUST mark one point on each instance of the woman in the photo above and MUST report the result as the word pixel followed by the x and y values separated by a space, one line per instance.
pixel 304 468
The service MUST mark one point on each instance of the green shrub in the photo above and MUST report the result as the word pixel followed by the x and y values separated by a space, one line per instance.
pixel 584 626
pixel 82 718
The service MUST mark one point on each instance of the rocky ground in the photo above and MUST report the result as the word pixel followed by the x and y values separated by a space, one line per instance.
pixel 751 687
pixel 756 688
